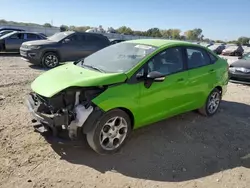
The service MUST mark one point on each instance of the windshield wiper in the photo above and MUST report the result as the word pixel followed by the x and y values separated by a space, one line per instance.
pixel 92 67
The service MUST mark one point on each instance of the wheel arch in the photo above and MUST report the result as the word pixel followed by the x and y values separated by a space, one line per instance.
pixel 130 114
pixel 219 88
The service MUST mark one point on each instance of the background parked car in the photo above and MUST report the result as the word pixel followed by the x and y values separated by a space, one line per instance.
pixel 12 41
pixel 12 29
pixel 62 47
pixel 4 32
pixel 239 71
pixel 156 68
pixel 233 50
pixel 217 48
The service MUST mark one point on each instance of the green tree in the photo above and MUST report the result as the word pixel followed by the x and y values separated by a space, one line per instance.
pixel 219 41
pixel 206 40
pixel 72 28
pixel 154 32
pixel 125 30
pixel 64 28
pixel 47 25
pixel 139 33
pixel 243 40
pixel 195 34
pixel 175 33
pixel 82 28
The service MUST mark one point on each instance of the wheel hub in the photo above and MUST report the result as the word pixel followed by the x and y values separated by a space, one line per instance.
pixel 113 133
pixel 214 102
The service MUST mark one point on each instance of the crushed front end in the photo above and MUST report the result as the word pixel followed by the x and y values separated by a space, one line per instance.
pixel 68 110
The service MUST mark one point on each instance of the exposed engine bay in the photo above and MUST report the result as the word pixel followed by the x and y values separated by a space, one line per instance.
pixel 68 109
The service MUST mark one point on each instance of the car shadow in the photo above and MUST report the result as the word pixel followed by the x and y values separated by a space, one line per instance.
pixel 9 54
pixel 38 67
pixel 185 147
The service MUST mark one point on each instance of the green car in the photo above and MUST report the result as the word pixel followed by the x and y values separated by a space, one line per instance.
pixel 126 86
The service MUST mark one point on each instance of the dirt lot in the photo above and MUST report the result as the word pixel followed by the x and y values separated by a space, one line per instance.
pixel 185 151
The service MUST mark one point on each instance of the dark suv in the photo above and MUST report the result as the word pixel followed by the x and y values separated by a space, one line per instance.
pixel 62 47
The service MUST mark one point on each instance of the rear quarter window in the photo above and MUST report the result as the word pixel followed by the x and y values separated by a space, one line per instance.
pixel 100 41
pixel 212 57
pixel 197 57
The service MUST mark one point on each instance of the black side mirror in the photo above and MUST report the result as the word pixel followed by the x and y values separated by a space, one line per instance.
pixel 156 76
pixel 153 76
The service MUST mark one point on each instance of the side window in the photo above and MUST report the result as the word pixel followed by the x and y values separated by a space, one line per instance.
pixel 197 57
pixel 82 38
pixel 17 36
pixel 167 62
pixel 212 58
pixel 92 39
pixel 31 36
pixel 72 39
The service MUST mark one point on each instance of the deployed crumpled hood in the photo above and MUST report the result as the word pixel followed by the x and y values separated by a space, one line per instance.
pixel 39 42
pixel 62 77
pixel 241 63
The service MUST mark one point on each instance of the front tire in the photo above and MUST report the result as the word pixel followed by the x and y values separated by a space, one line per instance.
pixel 110 133
pixel 1 47
pixel 212 103
pixel 50 60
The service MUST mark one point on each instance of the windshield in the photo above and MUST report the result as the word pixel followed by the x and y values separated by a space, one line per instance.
pixel 119 57
pixel 59 36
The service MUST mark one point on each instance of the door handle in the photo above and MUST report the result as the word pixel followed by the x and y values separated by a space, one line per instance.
pixel 180 80
pixel 211 70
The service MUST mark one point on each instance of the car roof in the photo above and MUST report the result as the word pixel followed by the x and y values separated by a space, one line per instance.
pixel 27 32
pixel 160 42
pixel 13 29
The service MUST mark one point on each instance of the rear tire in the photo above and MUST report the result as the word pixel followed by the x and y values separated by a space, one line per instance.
pixel 50 60
pixel 212 104
pixel 110 132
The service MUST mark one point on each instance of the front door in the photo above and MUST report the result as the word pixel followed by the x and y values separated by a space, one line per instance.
pixel 166 98
pixel 91 44
pixel 13 42
pixel 71 49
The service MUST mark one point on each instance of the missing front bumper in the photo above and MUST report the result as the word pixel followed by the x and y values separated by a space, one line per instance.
pixel 80 118
pixel 49 121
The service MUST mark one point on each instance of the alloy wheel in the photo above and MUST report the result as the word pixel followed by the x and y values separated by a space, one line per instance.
pixel 213 103
pixel 113 133
pixel 51 61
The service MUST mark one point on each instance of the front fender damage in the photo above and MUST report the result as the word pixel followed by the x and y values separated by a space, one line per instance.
pixel 70 111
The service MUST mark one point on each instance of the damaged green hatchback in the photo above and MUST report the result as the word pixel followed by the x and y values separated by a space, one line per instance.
pixel 126 86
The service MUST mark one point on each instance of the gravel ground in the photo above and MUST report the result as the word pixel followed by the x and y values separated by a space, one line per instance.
pixel 185 151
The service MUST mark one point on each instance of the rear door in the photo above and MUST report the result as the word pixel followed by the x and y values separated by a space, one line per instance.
pixel 202 75
pixel 92 44
pixel 70 49
pixel 13 42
